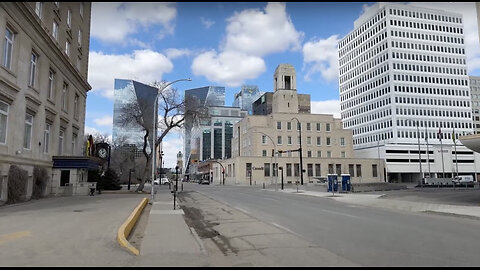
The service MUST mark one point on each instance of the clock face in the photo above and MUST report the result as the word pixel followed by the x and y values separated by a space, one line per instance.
pixel 102 152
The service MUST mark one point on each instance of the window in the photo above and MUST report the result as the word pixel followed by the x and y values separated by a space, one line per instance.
pixel 266 170
pixel 309 140
pixel 289 125
pixel 60 142
pixel 289 140
pixel 264 139
pixel 374 170
pixel 51 84
pixel 351 170
pixel 55 30
pixel 317 170
pixel 296 169
pixel 38 9
pixel 329 154
pixel 64 177
pixel 309 169
pixel 8 48
pixel 318 126
pixel 342 141
pixel 279 139
pixel 79 38
pixel 319 140
pixel 279 125
pixel 328 141
pixel 308 126
pixel 319 153
pixel 309 153
pixel 289 169
pixel 3 122
pixel 75 106
pixel 67 48
pixel 27 136
pixel 74 143
pixel 248 170
pixel 343 154
pixel 79 62
pixel 46 137
pixel 299 126
pixel 69 18
pixel 33 69
pixel 64 96
pixel 359 170
pixel 81 10
pixel 327 127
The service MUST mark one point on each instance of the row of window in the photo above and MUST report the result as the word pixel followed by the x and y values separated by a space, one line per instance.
pixel 433 102
pixel 437 113
pixel 370 75
pixel 431 135
pixel 373 138
pixel 296 169
pixel 309 140
pixel 343 154
pixel 428 58
pixel 431 124
pixel 427 37
pixel 427 47
pixel 428 79
pixel 431 69
pixel 28 132
pixel 372 127
pixel 425 16
pixel 427 26
pixel 367 85
pixel 308 126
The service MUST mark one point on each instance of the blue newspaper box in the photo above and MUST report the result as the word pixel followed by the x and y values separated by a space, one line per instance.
pixel 346 184
pixel 332 182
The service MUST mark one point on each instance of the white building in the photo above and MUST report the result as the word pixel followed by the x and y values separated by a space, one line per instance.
pixel 400 67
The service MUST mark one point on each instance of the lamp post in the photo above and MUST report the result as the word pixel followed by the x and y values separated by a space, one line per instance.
pixel 223 169
pixel 281 169
pixel 130 177
pixel 419 155
pixel 299 127
pixel 275 156
pixel 154 131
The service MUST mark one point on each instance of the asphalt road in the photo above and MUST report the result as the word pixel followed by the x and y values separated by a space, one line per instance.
pixel 366 236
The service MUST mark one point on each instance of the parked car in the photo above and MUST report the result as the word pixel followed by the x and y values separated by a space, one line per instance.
pixel 204 182
pixel 156 182
pixel 165 181
pixel 463 179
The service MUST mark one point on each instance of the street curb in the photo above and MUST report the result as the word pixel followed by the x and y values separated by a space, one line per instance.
pixel 127 226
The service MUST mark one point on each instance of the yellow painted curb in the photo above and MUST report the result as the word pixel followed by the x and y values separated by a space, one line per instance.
pixel 127 226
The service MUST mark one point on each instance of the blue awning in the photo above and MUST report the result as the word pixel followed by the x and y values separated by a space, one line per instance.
pixel 73 162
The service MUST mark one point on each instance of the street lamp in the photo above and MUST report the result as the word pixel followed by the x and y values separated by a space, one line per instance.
pixel 299 127
pixel 154 131
pixel 274 154
pixel 419 156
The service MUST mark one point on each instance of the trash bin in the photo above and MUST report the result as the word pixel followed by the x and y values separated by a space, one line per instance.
pixel 346 185
pixel 332 182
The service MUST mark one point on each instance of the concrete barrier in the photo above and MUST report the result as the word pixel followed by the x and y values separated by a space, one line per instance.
pixel 127 226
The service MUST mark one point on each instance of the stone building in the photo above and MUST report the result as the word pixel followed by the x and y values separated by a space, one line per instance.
pixel 261 141
pixel 43 91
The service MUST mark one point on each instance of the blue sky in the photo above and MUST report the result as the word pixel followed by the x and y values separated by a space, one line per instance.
pixel 227 44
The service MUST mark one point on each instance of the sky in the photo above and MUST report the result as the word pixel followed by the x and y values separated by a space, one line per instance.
pixel 228 44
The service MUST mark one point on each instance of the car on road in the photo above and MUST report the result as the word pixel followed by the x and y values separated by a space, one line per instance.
pixel 463 179
pixel 204 182
pixel 156 181
pixel 165 181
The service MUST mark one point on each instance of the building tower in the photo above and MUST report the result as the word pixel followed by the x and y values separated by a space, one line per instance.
pixel 400 67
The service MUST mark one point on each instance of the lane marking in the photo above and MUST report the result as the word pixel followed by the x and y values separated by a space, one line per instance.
pixel 242 210
pixel 340 214
pixel 286 229
pixel 7 237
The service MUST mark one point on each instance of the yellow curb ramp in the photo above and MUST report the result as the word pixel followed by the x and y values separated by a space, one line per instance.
pixel 127 226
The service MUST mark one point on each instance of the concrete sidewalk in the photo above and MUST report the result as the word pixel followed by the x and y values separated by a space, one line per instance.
pixel 168 241
pixel 403 205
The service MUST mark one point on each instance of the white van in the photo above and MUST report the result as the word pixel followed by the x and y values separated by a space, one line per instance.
pixel 462 179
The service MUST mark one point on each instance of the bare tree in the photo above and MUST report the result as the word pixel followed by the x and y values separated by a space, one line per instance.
pixel 171 114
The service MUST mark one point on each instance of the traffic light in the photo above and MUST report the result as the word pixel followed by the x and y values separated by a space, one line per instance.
pixel 273 152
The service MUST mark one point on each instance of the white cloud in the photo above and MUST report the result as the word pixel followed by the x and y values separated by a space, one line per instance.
pixel 469 13
pixel 251 34
pixel 260 33
pixel 230 68
pixel 90 130
pixel 113 22
pixel 326 107
pixel 207 22
pixel 106 120
pixel 144 65
pixel 173 53
pixel 322 57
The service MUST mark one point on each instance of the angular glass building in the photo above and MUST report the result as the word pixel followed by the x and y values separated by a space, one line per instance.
pixel 246 96
pixel 127 91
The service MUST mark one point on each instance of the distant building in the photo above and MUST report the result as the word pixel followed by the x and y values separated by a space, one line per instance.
pixel 246 96
pixel 326 147
pixel 44 59
pixel 475 95
pixel 199 98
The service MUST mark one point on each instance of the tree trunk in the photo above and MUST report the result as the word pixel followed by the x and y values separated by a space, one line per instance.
pixel 147 172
